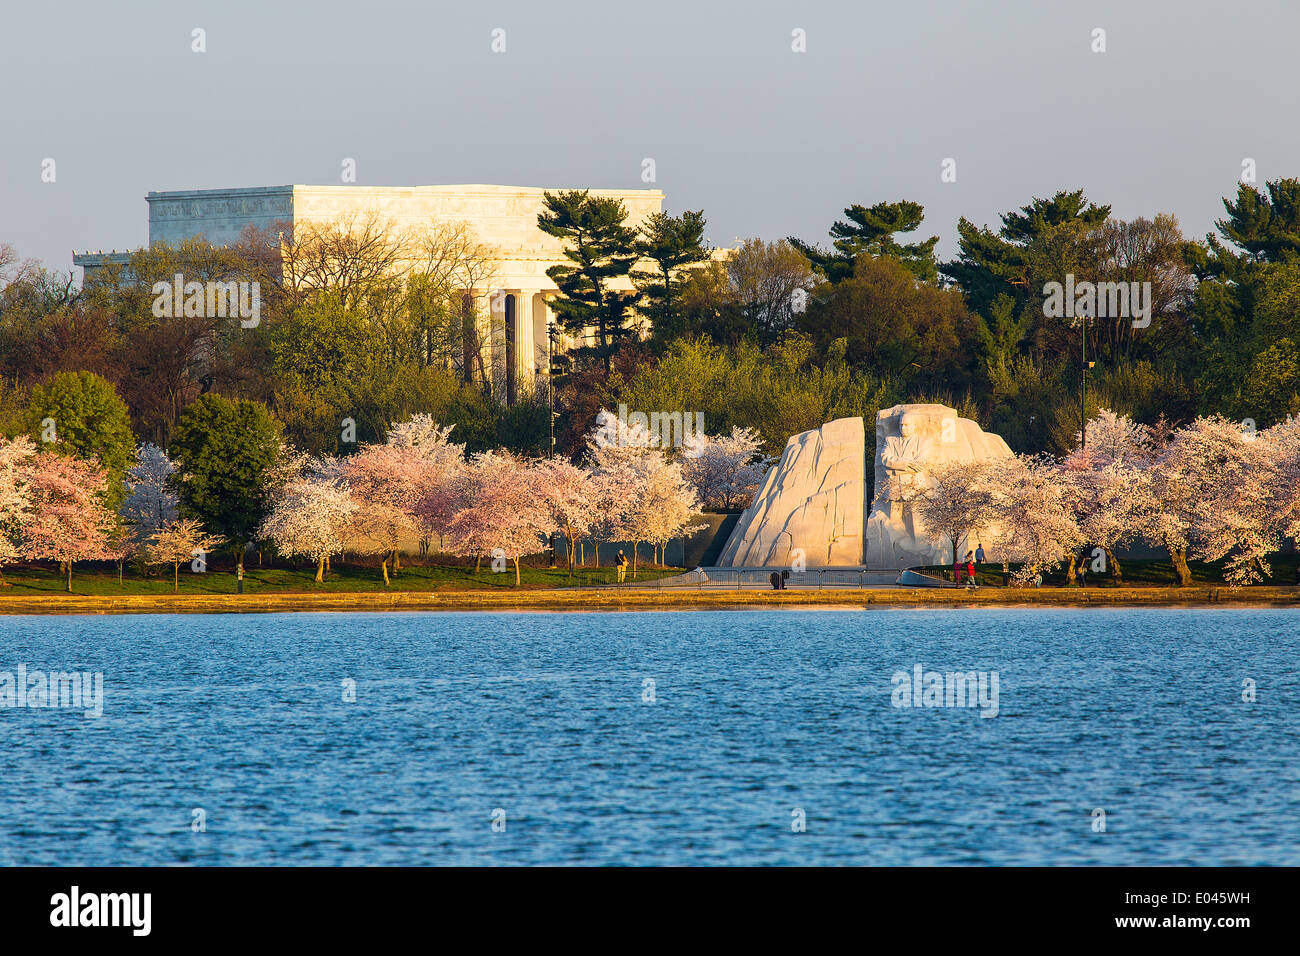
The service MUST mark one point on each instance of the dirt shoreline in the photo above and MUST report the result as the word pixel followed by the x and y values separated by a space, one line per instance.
pixel 649 598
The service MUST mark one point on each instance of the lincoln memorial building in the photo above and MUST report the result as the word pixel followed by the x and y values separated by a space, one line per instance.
pixel 514 312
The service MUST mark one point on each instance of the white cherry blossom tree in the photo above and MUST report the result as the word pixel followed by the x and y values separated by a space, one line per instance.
pixel 957 501
pixel 176 542
pixel 15 495
pixel 726 470
pixel 1033 521
pixel 150 499
pixel 311 517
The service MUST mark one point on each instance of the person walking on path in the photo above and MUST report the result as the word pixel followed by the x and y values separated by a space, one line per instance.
pixel 970 570
pixel 621 561
pixel 979 554
pixel 956 571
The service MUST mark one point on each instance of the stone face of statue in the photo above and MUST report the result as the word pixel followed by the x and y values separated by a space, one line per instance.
pixel 906 453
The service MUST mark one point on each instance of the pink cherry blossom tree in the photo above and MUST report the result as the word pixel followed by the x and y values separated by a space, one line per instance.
pixel 1187 479
pixel 505 507
pixel 957 501
pixel 615 493
pixel 388 483
pixel 619 455
pixel 121 547
pixel 1109 500
pixel 1238 516
pixel 573 495
pixel 664 507
pixel 422 432
pixel 1113 437
pixel 615 445
pixel 659 504
pixel 1108 483
pixel 1283 441
pixel 68 521
pixel 442 462
pixel 439 499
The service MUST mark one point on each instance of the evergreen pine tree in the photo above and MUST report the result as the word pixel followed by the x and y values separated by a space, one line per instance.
pixel 872 230
pixel 1000 263
pixel 601 249
pixel 670 242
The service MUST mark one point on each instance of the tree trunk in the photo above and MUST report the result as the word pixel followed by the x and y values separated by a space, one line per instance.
pixel 1115 568
pixel 176 577
pixel 69 577
pixel 478 562
pixel 516 570
pixel 397 560
pixel 383 566
pixel 1179 558
pixel 119 572
pixel 326 562
pixel 320 569
pixel 635 545
pixel 1069 572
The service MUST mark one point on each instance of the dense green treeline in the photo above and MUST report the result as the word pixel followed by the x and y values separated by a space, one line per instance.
pixel 360 326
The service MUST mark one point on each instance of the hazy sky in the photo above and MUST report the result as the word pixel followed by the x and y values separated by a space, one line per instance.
pixel 767 141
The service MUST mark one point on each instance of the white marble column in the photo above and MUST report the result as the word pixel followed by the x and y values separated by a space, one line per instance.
pixel 525 367
pixel 540 313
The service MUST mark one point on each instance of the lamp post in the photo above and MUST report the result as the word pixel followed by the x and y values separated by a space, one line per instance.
pixel 1083 380
pixel 550 400
pixel 550 377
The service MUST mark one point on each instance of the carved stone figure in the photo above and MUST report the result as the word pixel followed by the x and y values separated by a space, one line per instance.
pixel 813 505
pixel 911 439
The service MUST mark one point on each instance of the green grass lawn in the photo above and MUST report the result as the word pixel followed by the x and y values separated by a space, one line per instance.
pixel 101 579
pixel 1138 573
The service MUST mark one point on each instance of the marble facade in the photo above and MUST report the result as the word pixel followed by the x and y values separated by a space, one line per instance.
pixel 502 217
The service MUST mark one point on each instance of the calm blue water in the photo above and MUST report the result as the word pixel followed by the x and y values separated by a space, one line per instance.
pixel 1137 712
